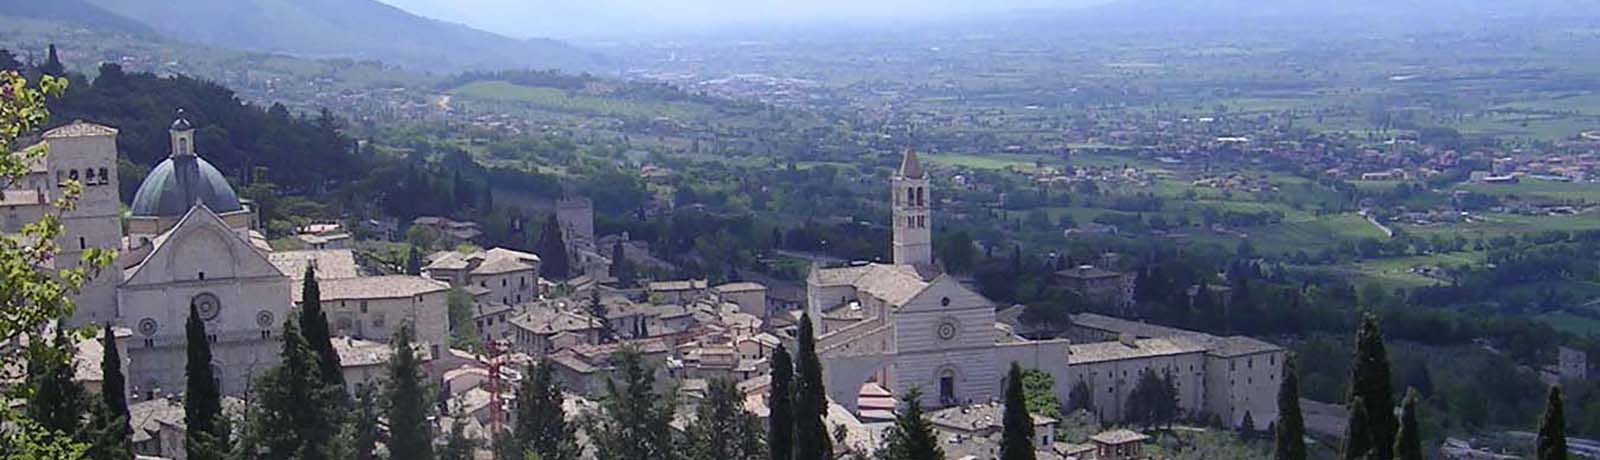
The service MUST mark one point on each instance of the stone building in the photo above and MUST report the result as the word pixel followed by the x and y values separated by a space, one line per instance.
pixel 890 327
pixel 511 277
pixel 1099 286
pixel 374 307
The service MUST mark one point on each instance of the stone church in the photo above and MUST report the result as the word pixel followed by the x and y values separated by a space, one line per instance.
pixel 893 327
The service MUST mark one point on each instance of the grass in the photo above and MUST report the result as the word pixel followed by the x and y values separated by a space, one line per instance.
pixel 1555 190
pixel 1570 323
pixel 1312 234
pixel 995 162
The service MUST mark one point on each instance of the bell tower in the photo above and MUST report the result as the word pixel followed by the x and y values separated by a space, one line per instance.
pixel 913 239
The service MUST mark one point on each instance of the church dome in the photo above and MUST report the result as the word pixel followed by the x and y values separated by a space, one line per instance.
pixel 178 183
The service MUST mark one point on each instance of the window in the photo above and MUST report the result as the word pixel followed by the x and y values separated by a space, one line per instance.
pixel 363 306
pixel 59 178
pixel 201 276
pixel 503 282
pixel 73 175
pixel 104 178
pixel 89 177
pixel 82 243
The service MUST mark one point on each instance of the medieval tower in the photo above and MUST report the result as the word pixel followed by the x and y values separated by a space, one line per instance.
pixel 913 239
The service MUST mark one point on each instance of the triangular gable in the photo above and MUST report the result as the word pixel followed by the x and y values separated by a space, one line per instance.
pixel 200 222
pixel 942 287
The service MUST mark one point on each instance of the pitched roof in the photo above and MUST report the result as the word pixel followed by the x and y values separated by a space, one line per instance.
pixel 1238 345
pixel 894 284
pixel 1144 348
pixel 374 287
pixel 80 128
pixel 359 353
pixel 909 166
pixel 1119 436
pixel 331 263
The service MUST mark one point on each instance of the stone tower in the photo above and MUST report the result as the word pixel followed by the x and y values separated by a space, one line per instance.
pixel 913 239
pixel 87 153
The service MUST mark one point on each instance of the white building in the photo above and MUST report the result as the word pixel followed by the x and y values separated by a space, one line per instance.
pixel 890 326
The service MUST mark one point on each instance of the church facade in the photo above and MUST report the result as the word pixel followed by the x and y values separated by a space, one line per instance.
pixel 902 325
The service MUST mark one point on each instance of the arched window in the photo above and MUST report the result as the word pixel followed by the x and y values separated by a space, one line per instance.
pixel 104 178
pixel 73 175
pixel 89 177
pixel 921 198
pixel 911 196
pixel 183 145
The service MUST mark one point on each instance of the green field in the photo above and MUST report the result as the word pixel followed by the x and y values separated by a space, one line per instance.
pixel 566 101
pixel 1312 234
pixel 995 161
pixel 1561 191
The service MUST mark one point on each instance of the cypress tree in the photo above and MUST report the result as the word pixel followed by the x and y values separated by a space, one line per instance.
pixel 457 446
pixel 811 440
pixel 780 421
pixel 1370 382
pixel 1357 436
pixel 542 426
pixel 621 267
pixel 314 328
pixel 407 403
pixel 722 429
pixel 912 437
pixel 365 424
pixel 1016 441
pixel 1291 427
pixel 52 63
pixel 413 261
pixel 553 251
pixel 1408 442
pixel 113 436
pixel 206 431
pixel 54 401
pixel 1553 429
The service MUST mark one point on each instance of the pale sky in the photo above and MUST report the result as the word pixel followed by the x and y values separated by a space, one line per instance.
pixel 623 18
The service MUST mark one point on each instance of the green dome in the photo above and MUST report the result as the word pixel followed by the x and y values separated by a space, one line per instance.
pixel 178 183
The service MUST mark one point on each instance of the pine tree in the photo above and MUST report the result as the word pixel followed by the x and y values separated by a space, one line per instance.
pixel 314 327
pixel 1153 400
pixel 912 436
pixel 1357 434
pixel 407 402
pixel 722 429
pixel 634 423
pixel 54 400
pixel 1408 442
pixel 1016 441
pixel 206 431
pixel 542 425
pixel 810 399
pixel 1553 429
pixel 1080 397
pixel 1291 427
pixel 1370 381
pixel 295 415
pixel 780 402
pixel 553 251
pixel 111 436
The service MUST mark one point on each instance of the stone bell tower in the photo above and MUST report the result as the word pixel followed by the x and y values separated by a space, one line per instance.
pixel 913 237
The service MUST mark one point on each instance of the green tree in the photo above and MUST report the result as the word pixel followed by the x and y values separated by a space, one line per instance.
pixel 1016 441
pixel 634 422
pixel 621 267
pixel 110 436
pixel 553 251
pixel 541 425
pixel 722 429
pixel 780 400
pixel 364 423
pixel 1357 434
pixel 36 294
pixel 54 400
pixel 1153 400
pixel 314 327
pixel 206 429
pixel 1552 443
pixel 1291 426
pixel 413 261
pixel 460 308
pixel 1040 389
pixel 295 413
pixel 1370 381
pixel 458 446
pixel 956 251
pixel 912 437
pixel 1080 397
pixel 810 399
pixel 407 402
pixel 1408 442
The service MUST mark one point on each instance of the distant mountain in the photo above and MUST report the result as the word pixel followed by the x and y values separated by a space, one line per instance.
pixel 363 29
pixel 75 12
pixel 1368 15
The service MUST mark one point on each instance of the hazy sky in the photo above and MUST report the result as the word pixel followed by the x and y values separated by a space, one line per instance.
pixel 621 18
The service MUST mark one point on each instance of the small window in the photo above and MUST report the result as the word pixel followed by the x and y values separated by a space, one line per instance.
pixel 89 177
pixel 104 178
pixel 73 175
pixel 363 306
pixel 82 243
pixel 201 276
